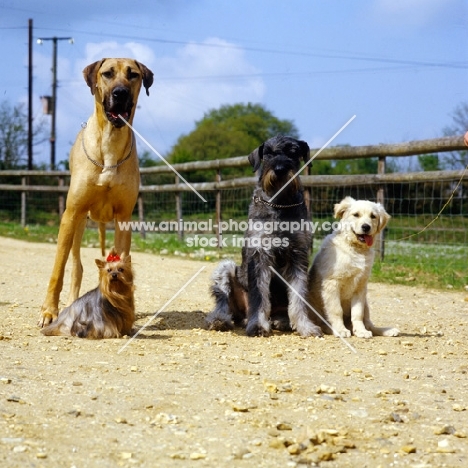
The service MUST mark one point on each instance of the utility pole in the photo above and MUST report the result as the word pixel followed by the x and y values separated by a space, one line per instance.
pixel 30 96
pixel 54 92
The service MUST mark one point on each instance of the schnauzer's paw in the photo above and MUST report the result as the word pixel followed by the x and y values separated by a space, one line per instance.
pixel 254 329
pixel 390 332
pixel 281 325
pixel 341 332
pixel 219 325
pixel 310 329
pixel 363 333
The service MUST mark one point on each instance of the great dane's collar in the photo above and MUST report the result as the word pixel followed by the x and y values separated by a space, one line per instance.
pixel 97 163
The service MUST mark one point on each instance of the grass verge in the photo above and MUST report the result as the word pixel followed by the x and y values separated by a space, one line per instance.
pixel 439 266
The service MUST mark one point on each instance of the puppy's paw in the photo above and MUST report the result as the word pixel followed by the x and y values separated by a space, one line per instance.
pixel 363 333
pixel 343 332
pixel 391 332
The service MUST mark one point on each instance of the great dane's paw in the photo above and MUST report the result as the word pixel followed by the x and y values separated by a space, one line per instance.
pixel 341 332
pixel 363 333
pixel 46 318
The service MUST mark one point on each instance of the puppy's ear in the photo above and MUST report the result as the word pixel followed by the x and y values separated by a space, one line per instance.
pixel 384 217
pixel 148 76
pixel 127 259
pixel 340 208
pixel 100 263
pixel 90 74
pixel 305 150
pixel 255 157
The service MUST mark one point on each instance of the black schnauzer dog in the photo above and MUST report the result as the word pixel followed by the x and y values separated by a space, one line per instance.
pixel 277 241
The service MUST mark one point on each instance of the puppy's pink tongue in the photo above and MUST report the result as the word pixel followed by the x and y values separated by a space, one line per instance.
pixel 369 240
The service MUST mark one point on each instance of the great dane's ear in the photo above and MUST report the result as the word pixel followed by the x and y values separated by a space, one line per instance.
pixel 305 150
pixel 340 208
pixel 147 76
pixel 255 157
pixel 90 74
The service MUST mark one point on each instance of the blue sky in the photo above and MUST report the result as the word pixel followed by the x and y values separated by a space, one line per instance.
pixel 400 66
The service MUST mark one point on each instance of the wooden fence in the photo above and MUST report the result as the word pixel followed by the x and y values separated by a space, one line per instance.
pixel 438 145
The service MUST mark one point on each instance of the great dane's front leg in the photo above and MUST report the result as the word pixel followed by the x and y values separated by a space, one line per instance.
pixel 77 267
pixel 123 237
pixel 259 309
pixel 68 224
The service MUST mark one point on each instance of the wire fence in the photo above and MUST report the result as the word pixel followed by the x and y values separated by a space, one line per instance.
pixel 429 209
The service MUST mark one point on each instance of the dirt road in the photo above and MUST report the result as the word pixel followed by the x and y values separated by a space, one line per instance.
pixel 181 396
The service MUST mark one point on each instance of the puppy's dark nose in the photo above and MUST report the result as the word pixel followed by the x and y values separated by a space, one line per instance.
pixel 365 228
pixel 120 92
pixel 114 275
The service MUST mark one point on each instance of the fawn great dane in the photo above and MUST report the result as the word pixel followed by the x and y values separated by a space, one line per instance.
pixel 105 177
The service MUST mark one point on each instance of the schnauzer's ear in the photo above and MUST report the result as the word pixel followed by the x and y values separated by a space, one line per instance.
pixel 384 217
pixel 90 74
pixel 255 157
pixel 100 263
pixel 340 208
pixel 305 150
pixel 147 76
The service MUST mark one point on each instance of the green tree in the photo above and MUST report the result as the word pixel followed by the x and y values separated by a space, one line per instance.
pixel 231 130
pixel 14 136
pixel 429 162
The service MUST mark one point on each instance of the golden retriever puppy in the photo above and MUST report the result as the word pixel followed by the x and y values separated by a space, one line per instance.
pixel 340 271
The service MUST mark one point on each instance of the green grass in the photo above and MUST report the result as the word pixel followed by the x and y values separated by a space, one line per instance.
pixel 436 265
pixel 430 265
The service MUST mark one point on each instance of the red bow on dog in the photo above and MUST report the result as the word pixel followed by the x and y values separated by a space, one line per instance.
pixel 112 258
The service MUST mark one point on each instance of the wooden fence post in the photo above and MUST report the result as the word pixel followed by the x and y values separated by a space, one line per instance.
pixel 307 196
pixel 24 182
pixel 219 233
pixel 178 200
pixel 381 200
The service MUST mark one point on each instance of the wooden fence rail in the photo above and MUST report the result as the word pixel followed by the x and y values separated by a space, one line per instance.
pixel 434 145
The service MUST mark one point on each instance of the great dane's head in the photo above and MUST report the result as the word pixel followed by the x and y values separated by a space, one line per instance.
pixel 115 84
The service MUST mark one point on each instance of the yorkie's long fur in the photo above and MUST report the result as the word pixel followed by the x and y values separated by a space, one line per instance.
pixel 105 312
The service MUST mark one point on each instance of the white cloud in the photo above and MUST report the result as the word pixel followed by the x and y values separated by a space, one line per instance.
pixel 414 13
pixel 202 77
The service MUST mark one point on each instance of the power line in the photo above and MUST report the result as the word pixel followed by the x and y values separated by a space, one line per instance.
pixel 350 56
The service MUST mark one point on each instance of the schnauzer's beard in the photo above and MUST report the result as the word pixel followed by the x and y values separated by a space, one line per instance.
pixel 272 183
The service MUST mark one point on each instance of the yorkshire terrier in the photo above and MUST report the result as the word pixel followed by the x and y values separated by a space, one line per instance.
pixel 105 312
